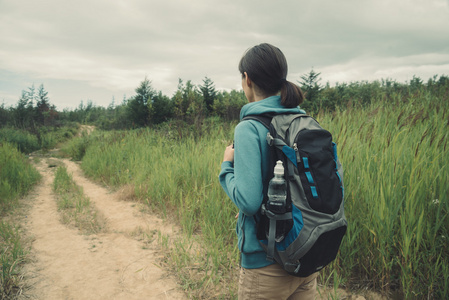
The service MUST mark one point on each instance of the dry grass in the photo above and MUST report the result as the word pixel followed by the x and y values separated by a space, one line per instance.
pixel 128 193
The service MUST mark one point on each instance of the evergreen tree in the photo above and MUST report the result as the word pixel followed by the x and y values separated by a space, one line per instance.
pixel 32 97
pixel 180 107
pixel 161 109
pixel 42 106
pixel 228 104
pixel 194 103
pixel 209 93
pixel 311 87
pixel 24 111
pixel 5 115
pixel 138 106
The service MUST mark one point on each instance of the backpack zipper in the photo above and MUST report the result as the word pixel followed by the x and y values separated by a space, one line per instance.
pixel 298 158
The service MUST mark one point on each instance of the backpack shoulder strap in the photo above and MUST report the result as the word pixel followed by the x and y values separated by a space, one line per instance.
pixel 265 119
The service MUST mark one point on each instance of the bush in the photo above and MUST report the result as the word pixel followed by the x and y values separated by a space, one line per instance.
pixel 49 137
pixel 23 140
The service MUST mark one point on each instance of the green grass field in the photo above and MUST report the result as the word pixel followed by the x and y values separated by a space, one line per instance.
pixel 395 157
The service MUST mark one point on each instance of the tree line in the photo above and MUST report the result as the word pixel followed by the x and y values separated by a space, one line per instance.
pixel 191 103
pixel 33 110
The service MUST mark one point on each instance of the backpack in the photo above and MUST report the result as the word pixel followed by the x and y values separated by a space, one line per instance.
pixel 308 236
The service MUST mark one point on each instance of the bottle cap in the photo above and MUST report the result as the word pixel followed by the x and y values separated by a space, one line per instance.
pixel 279 168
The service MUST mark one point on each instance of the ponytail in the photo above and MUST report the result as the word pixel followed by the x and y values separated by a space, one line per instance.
pixel 291 94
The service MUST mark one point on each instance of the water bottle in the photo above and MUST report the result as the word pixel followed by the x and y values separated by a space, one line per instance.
pixel 277 191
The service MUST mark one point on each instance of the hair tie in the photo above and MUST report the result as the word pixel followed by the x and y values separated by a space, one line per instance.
pixel 282 81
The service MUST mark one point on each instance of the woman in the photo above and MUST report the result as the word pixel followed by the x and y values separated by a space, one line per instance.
pixel 244 173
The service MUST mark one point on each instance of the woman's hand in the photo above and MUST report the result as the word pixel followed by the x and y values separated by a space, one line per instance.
pixel 229 154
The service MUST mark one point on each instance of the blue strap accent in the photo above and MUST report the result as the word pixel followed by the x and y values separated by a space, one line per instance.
pixel 309 177
pixel 306 162
pixel 338 175
pixel 298 224
pixel 334 149
pixel 314 193
pixel 342 189
pixel 290 153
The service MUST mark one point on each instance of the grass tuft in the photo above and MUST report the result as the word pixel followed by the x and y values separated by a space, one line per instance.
pixel 76 209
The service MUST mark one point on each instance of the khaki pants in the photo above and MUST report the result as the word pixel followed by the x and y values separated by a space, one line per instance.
pixel 272 282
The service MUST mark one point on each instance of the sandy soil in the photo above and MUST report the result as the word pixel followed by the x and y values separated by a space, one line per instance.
pixel 111 265
pixel 85 128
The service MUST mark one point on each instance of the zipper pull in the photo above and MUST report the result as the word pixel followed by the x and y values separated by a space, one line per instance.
pixel 298 158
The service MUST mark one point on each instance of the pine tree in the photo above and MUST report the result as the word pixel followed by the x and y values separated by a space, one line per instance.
pixel 32 97
pixel 24 111
pixel 42 106
pixel 161 109
pixel 138 106
pixel 311 87
pixel 6 115
pixel 209 93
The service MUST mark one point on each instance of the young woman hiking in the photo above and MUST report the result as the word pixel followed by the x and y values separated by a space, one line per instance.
pixel 244 173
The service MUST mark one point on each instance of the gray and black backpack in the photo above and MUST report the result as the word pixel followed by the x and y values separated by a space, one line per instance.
pixel 307 237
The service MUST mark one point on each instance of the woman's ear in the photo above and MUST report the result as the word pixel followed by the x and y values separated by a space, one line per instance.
pixel 247 79
pixel 248 87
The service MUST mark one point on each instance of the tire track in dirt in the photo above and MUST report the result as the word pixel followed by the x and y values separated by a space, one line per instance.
pixel 110 265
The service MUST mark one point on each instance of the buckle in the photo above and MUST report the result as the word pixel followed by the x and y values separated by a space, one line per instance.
pixel 270 139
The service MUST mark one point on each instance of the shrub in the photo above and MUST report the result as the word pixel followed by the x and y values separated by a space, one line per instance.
pixel 17 176
pixel 23 140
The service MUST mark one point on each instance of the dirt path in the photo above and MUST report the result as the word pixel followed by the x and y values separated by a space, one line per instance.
pixel 110 265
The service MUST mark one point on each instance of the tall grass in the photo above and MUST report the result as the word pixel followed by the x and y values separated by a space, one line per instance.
pixel 17 177
pixel 178 177
pixel 12 255
pixel 76 147
pixel 395 157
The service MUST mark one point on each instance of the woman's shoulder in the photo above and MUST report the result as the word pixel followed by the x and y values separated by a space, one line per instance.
pixel 249 128
pixel 246 125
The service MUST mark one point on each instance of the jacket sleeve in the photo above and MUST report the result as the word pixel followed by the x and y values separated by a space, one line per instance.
pixel 242 181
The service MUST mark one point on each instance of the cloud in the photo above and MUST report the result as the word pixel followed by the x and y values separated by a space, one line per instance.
pixel 110 46
pixel 401 69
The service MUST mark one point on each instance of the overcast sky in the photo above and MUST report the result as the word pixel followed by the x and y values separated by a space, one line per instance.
pixel 102 49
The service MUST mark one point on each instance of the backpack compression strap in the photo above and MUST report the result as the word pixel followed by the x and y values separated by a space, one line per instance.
pixel 272 229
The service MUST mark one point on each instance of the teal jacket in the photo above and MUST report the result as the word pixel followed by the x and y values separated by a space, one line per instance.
pixel 245 181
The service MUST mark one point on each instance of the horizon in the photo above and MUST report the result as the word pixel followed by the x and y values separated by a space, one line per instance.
pixel 126 98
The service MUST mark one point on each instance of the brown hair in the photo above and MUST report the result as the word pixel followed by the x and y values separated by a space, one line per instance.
pixel 266 66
